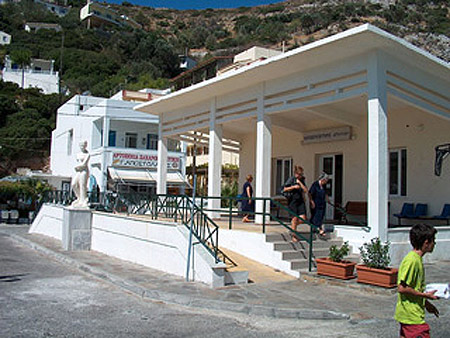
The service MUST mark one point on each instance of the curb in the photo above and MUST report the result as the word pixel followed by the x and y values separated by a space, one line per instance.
pixel 178 299
pixel 345 284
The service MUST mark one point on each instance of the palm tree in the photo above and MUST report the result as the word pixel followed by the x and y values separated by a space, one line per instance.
pixel 21 57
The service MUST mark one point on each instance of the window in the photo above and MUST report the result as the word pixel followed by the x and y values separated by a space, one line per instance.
pixel 282 171
pixel 397 172
pixel 112 138
pixel 130 140
pixel 69 142
pixel 152 141
pixel 173 145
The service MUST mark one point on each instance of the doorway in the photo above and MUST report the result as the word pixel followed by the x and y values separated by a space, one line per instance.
pixel 332 165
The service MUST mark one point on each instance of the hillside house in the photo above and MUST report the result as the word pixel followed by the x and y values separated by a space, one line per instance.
pixel 40 74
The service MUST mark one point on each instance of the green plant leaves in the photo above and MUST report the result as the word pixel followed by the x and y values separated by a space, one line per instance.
pixel 375 254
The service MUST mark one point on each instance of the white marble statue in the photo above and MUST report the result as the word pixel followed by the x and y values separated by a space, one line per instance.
pixel 80 179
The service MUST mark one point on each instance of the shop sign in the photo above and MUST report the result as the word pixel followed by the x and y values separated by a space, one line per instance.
pixel 130 160
pixel 327 135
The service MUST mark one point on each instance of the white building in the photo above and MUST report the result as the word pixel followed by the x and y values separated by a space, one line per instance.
pixel 5 38
pixel 122 143
pixel 33 27
pixel 363 105
pixel 97 15
pixel 55 7
pixel 40 74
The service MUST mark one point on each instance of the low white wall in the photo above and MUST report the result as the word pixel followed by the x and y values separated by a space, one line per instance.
pixel 400 245
pixel 49 221
pixel 158 245
pixel 162 246
pixel 254 246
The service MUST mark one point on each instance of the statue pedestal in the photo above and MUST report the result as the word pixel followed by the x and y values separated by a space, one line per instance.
pixel 77 229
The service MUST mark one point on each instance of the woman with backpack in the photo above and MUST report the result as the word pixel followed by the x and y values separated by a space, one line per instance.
pixel 294 189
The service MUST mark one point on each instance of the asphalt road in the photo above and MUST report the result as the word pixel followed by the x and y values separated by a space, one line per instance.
pixel 42 298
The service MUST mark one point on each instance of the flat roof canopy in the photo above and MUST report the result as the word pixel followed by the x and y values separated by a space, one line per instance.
pixel 136 176
pixel 353 42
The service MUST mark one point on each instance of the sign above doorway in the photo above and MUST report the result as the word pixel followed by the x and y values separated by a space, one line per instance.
pixel 327 135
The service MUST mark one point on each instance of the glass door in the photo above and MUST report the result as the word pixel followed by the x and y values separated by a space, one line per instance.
pixel 332 166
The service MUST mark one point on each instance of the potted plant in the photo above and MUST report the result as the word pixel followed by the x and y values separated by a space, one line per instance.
pixel 375 269
pixel 334 265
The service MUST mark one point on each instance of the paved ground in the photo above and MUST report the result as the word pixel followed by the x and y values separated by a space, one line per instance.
pixel 38 288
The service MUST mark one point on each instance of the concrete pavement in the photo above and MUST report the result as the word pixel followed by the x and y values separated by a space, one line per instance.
pixel 307 298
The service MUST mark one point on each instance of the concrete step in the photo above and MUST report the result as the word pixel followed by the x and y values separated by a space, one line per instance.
pixel 297 254
pixel 236 275
pixel 283 245
pixel 287 237
pixel 301 264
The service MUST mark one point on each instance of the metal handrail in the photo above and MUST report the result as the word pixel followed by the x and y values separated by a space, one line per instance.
pixel 266 214
pixel 175 207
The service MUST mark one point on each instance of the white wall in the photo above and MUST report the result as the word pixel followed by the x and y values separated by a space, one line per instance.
pixel 49 221
pixel 158 245
pixel 49 83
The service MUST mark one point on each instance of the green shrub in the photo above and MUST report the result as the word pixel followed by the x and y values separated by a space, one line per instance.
pixel 337 254
pixel 375 254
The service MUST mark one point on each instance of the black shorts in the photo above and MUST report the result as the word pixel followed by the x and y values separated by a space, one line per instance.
pixel 297 207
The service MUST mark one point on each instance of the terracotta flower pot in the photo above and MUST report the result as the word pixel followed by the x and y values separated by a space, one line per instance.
pixel 385 278
pixel 341 270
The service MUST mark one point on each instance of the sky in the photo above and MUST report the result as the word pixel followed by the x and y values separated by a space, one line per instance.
pixel 197 4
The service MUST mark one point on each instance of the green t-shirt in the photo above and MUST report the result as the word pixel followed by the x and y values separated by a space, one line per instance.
pixel 411 309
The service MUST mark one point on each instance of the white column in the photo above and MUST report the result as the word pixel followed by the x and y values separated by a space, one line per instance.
pixel 377 193
pixel 215 162
pixel 263 157
pixel 105 136
pixel 104 162
pixel 161 184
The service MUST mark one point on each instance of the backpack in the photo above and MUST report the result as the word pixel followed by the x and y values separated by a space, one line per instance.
pixel 288 183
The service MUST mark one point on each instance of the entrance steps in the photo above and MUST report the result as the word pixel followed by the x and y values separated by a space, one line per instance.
pixel 296 253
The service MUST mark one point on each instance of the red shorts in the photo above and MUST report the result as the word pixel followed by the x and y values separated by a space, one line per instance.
pixel 415 330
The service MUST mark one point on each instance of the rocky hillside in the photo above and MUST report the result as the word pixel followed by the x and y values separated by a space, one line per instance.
pixel 293 23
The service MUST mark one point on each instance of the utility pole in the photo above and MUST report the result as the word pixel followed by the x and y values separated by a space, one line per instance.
pixel 61 65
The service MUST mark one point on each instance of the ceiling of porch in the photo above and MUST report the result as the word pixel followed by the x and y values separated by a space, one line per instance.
pixel 350 112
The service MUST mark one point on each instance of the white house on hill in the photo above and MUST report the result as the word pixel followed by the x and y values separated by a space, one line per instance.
pixel 40 74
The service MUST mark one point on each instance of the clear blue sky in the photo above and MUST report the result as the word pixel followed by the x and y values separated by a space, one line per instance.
pixel 197 4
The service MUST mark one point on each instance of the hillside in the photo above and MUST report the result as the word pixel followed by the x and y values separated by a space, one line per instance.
pixel 102 61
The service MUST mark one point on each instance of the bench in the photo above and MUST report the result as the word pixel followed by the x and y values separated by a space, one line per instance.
pixel 357 209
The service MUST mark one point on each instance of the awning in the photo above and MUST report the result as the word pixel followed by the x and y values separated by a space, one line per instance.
pixel 143 176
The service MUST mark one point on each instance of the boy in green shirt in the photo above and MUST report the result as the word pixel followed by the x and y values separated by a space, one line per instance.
pixel 412 300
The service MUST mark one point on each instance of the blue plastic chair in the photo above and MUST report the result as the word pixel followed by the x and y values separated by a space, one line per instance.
pixel 421 210
pixel 407 212
pixel 445 214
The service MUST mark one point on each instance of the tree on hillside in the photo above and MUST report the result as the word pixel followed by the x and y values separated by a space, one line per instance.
pixel 21 57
